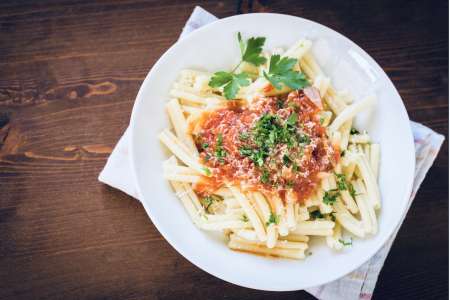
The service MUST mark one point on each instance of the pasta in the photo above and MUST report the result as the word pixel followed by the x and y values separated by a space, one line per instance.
pixel 268 154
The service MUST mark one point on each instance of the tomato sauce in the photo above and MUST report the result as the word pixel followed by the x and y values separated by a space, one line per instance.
pixel 294 153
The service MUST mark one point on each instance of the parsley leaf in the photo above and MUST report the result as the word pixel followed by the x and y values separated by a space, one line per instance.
pixel 231 82
pixel 220 78
pixel 241 43
pixel 273 219
pixel 280 71
pixel 251 51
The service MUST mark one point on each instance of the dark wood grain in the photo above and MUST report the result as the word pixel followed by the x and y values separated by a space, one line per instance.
pixel 69 73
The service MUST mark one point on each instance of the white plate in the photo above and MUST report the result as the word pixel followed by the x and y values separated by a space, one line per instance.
pixel 214 47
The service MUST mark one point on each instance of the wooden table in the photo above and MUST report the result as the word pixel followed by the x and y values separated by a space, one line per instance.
pixel 70 71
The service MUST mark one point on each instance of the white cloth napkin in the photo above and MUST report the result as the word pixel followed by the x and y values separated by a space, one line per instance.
pixel 357 285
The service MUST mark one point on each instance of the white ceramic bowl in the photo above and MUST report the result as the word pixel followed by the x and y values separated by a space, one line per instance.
pixel 214 47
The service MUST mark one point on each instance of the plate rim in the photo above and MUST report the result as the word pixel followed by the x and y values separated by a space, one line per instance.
pixel 194 260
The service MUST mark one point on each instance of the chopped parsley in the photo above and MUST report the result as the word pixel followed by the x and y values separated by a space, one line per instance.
pixel 316 214
pixel 292 120
pixel 256 155
pixel 333 216
pixel 265 176
pixel 220 151
pixel 304 139
pixel 207 171
pixel 351 190
pixel 330 196
pixel 268 132
pixel 341 182
pixel 280 104
pixel 207 201
pixel 346 243
pixel 354 131
pixel 273 219
pixel 244 218
pixel 205 145
pixel 286 160
pixel 243 136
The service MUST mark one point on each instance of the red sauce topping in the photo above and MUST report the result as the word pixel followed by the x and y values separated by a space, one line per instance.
pixel 275 144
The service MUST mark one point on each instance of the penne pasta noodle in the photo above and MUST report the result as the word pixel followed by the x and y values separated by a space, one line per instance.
pixel 291 198
pixel 362 138
pixel 261 201
pixel 334 241
pixel 250 212
pixel 280 211
pixel 272 236
pixel 362 200
pixel 322 84
pixel 296 238
pixel 223 225
pixel 262 250
pixel 192 110
pixel 369 180
pixel 180 151
pixel 374 159
pixel 282 244
pixel 347 220
pixel 316 227
pixel 350 111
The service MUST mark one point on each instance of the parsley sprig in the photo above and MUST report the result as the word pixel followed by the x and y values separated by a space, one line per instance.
pixel 231 82
pixel 280 69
